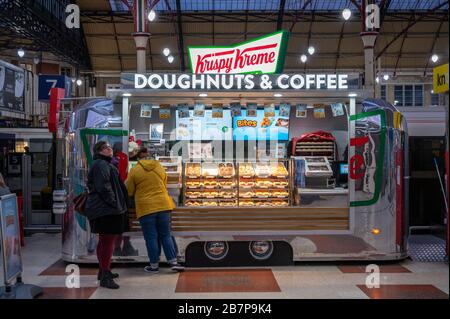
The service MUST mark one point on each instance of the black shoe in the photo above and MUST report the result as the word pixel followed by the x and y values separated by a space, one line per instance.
pixel 113 275
pixel 106 281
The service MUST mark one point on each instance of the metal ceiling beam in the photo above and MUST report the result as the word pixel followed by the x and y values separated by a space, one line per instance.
pixel 401 50
pixel 280 14
pixel 411 24
pixel 438 32
pixel 117 43
pixel 338 51
pixel 180 37
pixel 46 29
pixel 307 2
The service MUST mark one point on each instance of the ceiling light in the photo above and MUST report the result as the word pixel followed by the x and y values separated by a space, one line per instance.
pixel 79 82
pixel 434 58
pixel 352 95
pixel 278 95
pixel 203 95
pixel 346 13
pixel 377 79
pixel 395 102
pixel 303 58
pixel 170 59
pixel 386 77
pixel 311 50
pixel 36 60
pixel 126 94
pixel 151 15
pixel 21 53
pixel 166 51
pixel 73 80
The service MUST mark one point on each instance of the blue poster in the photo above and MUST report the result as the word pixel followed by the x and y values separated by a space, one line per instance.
pixel 261 128
pixel 10 236
pixel 47 82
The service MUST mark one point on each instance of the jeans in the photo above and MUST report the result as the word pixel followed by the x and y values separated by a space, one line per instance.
pixel 156 230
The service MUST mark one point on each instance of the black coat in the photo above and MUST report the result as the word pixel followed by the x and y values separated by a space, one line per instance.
pixel 107 193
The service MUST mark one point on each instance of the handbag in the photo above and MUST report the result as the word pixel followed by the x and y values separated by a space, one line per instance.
pixel 79 202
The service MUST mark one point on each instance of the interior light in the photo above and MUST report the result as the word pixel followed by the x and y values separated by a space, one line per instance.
pixel 170 59
pixel 278 95
pixel 311 50
pixel 166 51
pixel 21 53
pixel 346 13
pixel 203 95
pixel 79 82
pixel 376 231
pixel 126 94
pixel 303 58
pixel 352 95
pixel 386 77
pixel 151 15
pixel 434 58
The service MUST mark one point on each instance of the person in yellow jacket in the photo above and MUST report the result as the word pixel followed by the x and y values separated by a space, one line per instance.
pixel 147 182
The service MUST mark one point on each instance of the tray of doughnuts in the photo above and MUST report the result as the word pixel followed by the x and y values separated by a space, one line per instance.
pixel 210 170
pixel 246 170
pixel 246 204
pixel 279 170
pixel 193 170
pixel 227 184
pixel 246 184
pixel 246 194
pixel 226 170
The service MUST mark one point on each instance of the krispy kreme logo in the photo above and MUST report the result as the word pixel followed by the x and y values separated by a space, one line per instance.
pixel 261 55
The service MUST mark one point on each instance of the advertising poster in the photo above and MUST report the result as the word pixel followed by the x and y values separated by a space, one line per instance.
pixel 10 234
pixel 337 109
pixel 319 112
pixel 269 110
pixel 235 109
pixel 164 111
pixel 285 109
pixel 301 111
pixel 183 110
pixel 261 128
pixel 252 109
pixel 146 110
pixel 217 111
pixel 12 87
pixel 156 131
pixel 199 110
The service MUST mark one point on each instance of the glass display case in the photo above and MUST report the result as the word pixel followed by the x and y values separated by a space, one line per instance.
pixel 237 184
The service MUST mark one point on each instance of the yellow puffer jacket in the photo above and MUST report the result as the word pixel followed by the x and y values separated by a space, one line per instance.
pixel 147 182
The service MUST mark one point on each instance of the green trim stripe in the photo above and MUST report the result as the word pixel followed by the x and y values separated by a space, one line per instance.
pixel 93 131
pixel 380 157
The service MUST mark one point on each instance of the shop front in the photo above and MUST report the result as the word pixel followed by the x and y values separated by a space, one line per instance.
pixel 265 169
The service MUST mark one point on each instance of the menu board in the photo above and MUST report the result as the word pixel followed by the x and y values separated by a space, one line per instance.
pixel 204 128
pixel 261 127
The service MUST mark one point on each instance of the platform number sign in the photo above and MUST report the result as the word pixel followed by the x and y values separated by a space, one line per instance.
pixel 366 162
pixel 48 82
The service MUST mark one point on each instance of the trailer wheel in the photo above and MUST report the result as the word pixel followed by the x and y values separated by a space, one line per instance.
pixel 216 250
pixel 260 250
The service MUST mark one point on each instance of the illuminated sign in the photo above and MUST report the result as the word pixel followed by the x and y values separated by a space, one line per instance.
pixel 440 79
pixel 263 55
pixel 224 82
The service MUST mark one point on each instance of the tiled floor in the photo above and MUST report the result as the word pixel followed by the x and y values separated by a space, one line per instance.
pixel 407 279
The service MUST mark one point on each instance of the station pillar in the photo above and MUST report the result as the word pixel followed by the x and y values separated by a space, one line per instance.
pixel 369 39
pixel 140 34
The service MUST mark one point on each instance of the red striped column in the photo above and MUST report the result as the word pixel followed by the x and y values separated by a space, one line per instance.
pixel 140 34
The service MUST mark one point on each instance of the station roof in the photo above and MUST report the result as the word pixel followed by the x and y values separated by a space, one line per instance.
pixel 411 31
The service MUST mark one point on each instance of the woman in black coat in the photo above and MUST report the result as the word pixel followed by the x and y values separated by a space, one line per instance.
pixel 106 208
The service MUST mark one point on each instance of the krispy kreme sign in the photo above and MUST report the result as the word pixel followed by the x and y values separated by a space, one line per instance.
pixel 262 55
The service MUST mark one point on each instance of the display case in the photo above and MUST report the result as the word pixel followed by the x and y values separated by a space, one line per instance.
pixel 237 184
pixel 173 167
pixel 317 166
